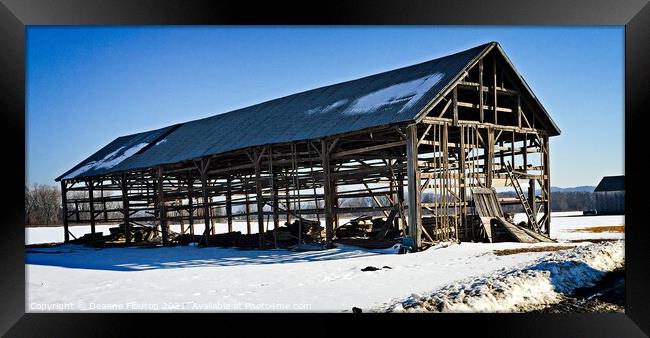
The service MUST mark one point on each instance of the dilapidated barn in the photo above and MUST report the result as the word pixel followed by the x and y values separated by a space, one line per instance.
pixel 426 144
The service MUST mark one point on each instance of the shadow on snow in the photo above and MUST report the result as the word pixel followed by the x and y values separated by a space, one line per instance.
pixel 138 259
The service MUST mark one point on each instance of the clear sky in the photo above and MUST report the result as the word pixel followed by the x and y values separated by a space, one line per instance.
pixel 87 86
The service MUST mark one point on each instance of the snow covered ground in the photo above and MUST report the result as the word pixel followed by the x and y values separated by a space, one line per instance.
pixel 55 234
pixel 526 288
pixel 73 278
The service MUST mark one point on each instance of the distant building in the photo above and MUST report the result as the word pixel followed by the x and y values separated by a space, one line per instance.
pixel 610 195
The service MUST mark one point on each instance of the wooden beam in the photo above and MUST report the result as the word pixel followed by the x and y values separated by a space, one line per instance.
pixel 64 204
pixel 478 106
pixel 367 149
pixel 413 177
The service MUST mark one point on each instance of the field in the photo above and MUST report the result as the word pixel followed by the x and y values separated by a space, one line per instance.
pixel 73 278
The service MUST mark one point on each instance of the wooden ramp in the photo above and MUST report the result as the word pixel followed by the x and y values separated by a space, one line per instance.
pixel 489 211
pixel 522 234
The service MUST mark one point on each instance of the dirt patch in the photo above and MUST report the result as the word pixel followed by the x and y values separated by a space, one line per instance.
pixel 600 229
pixel 607 295
pixel 533 249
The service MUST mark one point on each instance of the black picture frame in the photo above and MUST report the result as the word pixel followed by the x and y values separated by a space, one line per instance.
pixel 15 15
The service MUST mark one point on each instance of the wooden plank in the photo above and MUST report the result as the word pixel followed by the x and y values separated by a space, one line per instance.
pixel 413 177
pixel 516 231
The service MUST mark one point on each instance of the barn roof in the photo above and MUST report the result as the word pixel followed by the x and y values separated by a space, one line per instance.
pixel 391 97
pixel 611 183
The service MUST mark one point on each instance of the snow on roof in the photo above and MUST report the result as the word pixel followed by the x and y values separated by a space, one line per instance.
pixel 405 93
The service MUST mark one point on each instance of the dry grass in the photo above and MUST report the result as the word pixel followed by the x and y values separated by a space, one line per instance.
pixel 600 229
pixel 533 249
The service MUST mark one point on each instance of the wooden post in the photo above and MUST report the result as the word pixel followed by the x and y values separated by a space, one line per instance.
pixel 91 202
pixel 400 196
pixel 327 191
pixel 213 213
pixel 512 150
pixel 161 207
pixel 206 207
pixel 286 195
pixel 76 210
pixel 480 91
pixel 547 183
pixel 276 202
pixel 531 198
pixel 229 204
pixel 413 176
pixel 190 203
pixel 101 193
pixel 462 191
pixel 494 87
pixel 248 215
pixel 525 151
pixel 455 106
pixel 518 111
pixel 125 209
pixel 259 198
pixel 64 204
pixel 179 213
pixel 489 160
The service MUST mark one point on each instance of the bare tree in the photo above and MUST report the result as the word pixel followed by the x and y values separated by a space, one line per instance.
pixel 42 204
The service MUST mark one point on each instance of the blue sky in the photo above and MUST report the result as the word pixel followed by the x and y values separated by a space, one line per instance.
pixel 88 85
